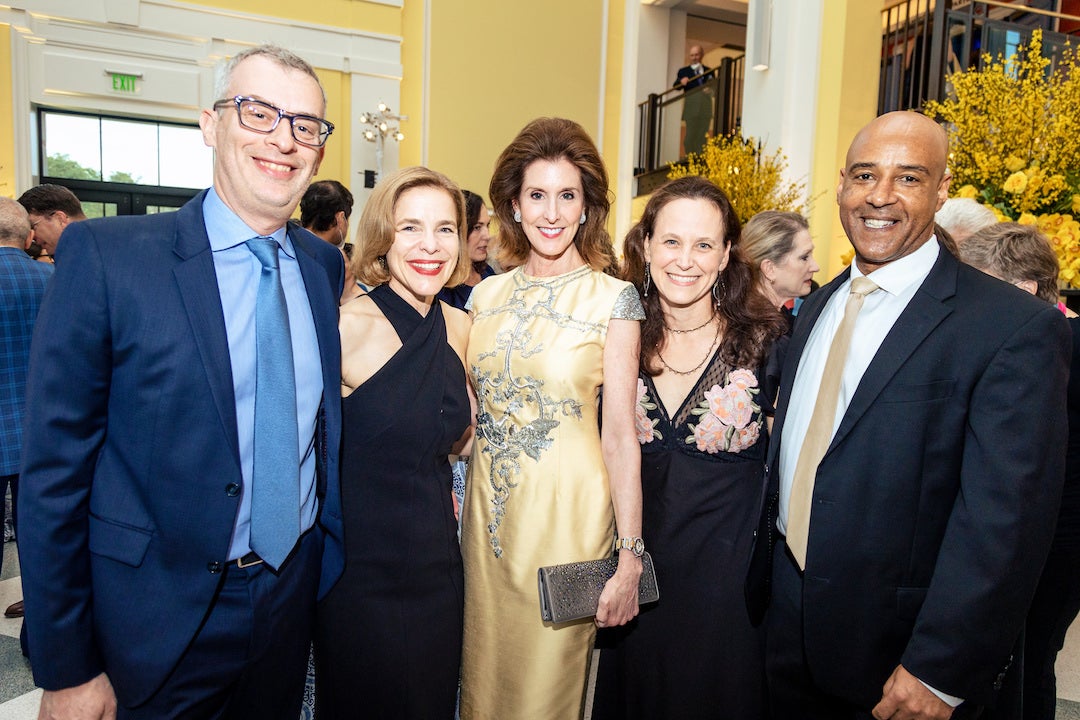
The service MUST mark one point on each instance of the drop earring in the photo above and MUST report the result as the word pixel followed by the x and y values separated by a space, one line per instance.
pixel 718 290
pixel 582 220
pixel 517 216
pixel 646 281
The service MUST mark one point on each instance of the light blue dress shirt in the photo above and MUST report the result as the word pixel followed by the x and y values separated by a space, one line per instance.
pixel 238 272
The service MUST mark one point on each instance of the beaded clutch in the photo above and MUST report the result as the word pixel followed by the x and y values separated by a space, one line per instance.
pixel 572 591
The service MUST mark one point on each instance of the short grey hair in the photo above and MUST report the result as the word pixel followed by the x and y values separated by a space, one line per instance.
pixel 963 217
pixel 14 223
pixel 1015 253
pixel 281 56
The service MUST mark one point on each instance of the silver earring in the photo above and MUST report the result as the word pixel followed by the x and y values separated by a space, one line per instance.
pixel 718 290
pixel 517 216
pixel 646 281
pixel 582 220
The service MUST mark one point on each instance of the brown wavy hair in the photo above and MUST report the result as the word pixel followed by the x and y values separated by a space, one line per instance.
pixel 750 323
pixel 553 139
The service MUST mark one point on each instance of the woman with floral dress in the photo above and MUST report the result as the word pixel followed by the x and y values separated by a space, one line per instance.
pixel 708 377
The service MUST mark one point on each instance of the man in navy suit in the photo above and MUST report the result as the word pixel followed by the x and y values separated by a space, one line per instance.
pixel 145 592
pixel 22 283
pixel 933 496
pixel 697 106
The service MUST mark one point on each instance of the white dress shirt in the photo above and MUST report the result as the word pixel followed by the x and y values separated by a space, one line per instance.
pixel 899 280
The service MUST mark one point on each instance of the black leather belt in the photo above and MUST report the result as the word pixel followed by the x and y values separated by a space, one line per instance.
pixel 249 560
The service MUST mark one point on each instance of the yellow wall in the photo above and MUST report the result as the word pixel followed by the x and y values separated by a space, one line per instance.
pixel 485 86
pixel 412 83
pixel 847 100
pixel 7 132
pixel 372 17
pixel 335 163
pixel 616 39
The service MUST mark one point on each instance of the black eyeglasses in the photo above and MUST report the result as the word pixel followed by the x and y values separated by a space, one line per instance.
pixel 262 117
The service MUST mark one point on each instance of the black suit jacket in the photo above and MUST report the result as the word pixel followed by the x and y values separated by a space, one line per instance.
pixel 688 72
pixel 934 505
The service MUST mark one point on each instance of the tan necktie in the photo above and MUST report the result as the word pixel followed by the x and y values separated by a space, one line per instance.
pixel 820 430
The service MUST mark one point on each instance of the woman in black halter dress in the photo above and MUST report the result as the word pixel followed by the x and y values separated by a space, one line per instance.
pixel 388 635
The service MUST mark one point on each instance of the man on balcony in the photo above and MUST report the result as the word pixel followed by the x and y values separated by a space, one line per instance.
pixel 697 107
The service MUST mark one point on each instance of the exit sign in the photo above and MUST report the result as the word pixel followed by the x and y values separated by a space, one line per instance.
pixel 122 82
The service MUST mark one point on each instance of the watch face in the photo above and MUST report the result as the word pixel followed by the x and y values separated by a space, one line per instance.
pixel 634 544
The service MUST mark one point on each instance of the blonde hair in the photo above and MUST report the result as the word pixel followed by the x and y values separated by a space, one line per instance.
pixel 376 231
pixel 770 235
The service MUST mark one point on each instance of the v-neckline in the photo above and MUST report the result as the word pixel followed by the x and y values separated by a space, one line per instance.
pixel 662 406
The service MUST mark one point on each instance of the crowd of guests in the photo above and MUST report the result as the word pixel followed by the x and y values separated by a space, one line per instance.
pixel 849 501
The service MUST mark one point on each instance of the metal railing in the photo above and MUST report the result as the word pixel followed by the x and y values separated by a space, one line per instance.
pixel 659 136
pixel 923 41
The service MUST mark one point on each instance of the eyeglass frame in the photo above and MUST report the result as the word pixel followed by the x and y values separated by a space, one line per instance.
pixel 47 216
pixel 236 100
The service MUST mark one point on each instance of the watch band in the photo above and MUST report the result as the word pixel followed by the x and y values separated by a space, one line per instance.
pixel 634 544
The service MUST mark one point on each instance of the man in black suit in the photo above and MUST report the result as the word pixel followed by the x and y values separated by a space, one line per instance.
pixel 905 552
pixel 697 106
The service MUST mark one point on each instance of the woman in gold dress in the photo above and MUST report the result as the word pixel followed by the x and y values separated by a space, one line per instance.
pixel 546 486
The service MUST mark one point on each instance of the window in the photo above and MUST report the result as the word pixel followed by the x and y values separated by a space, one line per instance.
pixel 113 150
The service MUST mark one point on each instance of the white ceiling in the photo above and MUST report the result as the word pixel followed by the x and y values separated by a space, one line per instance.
pixel 725 10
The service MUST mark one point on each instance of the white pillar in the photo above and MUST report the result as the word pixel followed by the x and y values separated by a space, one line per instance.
pixel 779 103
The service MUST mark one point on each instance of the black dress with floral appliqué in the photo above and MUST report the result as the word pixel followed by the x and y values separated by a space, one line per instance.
pixel 694 653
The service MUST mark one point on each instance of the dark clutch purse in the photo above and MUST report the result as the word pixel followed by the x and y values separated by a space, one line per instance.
pixel 572 591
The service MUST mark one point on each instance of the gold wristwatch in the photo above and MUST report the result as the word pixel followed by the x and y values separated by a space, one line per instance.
pixel 634 544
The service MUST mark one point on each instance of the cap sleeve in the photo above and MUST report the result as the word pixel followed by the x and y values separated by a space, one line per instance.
pixel 628 305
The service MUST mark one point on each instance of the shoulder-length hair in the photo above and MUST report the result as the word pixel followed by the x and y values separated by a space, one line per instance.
pixel 750 323
pixel 553 139
pixel 376 231
pixel 473 203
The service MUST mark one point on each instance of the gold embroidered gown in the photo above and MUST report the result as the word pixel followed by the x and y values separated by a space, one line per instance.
pixel 537 492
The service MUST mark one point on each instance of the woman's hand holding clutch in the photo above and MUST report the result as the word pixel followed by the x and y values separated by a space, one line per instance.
pixel 619 600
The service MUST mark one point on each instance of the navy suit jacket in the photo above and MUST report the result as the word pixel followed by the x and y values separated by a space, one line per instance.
pixel 934 505
pixel 125 518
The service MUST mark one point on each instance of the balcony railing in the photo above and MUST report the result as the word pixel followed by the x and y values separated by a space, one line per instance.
pixel 659 126
pixel 924 40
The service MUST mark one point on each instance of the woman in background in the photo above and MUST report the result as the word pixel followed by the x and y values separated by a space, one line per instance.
pixel 478 221
pixel 781 251
pixel 546 485
pixel 709 374
pixel 388 635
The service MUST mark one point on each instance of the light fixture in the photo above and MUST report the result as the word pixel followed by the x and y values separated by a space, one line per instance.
pixel 382 124
pixel 760 28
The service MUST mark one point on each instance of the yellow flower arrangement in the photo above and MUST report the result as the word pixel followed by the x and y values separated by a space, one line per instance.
pixel 1014 143
pixel 753 180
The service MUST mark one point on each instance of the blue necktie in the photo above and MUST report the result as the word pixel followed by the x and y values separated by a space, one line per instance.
pixel 275 491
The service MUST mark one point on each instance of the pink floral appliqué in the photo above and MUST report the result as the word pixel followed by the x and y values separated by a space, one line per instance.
pixel 645 426
pixel 726 415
